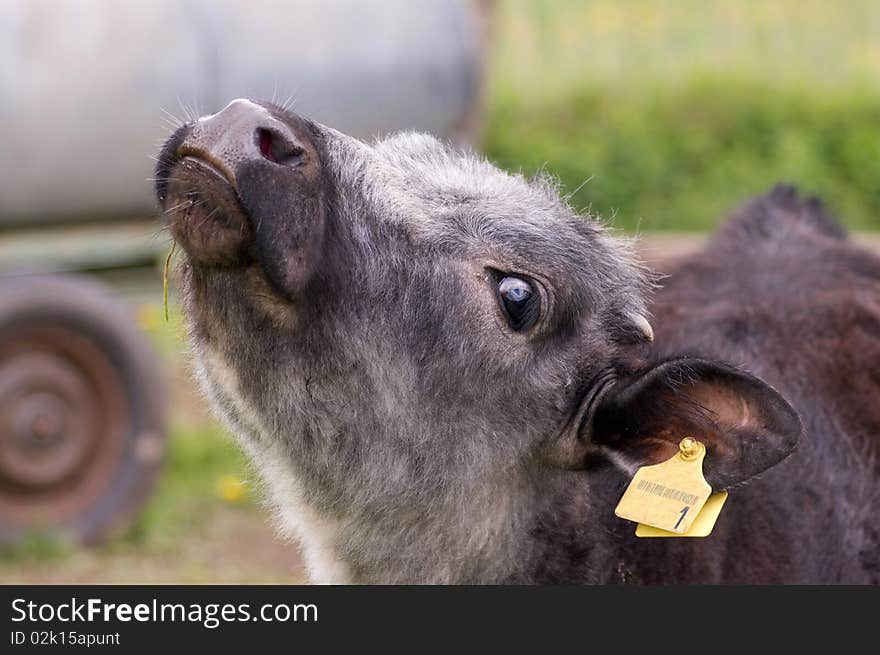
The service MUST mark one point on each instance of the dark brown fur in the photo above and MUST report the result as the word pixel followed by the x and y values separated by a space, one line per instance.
pixel 781 293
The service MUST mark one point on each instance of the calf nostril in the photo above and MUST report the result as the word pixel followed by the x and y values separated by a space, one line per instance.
pixel 278 148
pixel 265 137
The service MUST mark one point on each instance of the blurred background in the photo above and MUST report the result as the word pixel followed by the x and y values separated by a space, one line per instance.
pixel 658 116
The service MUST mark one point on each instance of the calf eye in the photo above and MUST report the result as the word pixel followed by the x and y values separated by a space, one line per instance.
pixel 520 301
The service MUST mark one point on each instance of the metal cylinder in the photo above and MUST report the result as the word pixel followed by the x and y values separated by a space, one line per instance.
pixel 85 84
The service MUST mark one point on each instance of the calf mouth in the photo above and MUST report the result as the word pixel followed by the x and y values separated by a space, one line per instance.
pixel 204 214
pixel 243 186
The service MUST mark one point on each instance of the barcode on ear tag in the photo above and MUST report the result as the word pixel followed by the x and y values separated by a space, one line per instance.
pixel 669 495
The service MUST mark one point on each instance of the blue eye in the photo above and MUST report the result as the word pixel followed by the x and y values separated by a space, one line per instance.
pixel 520 302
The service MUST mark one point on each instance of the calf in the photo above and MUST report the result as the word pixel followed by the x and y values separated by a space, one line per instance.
pixel 445 375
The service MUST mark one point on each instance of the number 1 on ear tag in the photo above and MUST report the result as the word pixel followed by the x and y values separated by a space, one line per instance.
pixel 669 495
pixel 702 525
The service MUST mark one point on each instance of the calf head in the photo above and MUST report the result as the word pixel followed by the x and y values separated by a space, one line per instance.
pixel 415 346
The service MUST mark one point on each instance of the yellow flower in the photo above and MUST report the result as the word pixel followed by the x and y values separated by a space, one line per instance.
pixel 148 316
pixel 231 489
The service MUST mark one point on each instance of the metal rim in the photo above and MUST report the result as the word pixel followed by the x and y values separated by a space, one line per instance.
pixel 63 423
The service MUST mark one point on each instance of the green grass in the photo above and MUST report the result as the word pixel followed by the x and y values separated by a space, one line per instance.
pixel 36 546
pixel 200 461
pixel 674 112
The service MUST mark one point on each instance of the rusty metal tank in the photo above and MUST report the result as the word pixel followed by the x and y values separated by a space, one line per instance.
pixel 88 89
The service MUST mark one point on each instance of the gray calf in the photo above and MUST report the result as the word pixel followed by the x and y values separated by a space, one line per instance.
pixel 445 375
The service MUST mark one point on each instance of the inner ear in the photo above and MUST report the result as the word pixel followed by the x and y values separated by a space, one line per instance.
pixel 745 425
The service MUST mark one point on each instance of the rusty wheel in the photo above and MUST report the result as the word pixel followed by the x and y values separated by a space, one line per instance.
pixel 81 413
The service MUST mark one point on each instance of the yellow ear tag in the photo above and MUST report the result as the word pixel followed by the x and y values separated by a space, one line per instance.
pixel 668 499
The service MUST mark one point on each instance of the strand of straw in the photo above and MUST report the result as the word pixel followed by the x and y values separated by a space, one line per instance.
pixel 165 279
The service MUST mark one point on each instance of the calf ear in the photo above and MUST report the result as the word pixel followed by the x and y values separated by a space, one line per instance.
pixel 746 426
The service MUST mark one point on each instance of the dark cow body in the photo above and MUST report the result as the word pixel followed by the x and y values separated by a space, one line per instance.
pixel 445 375
pixel 780 292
